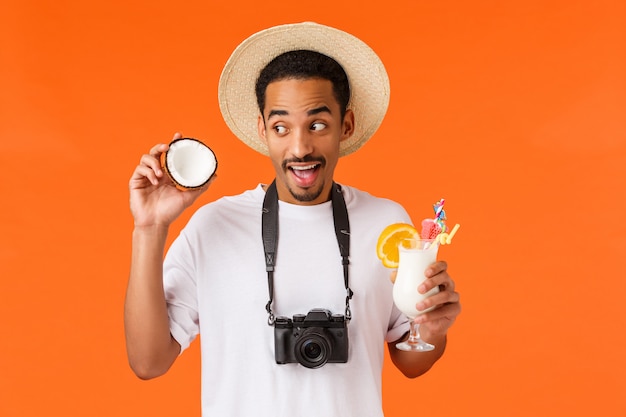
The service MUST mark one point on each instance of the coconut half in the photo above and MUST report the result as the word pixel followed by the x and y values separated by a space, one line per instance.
pixel 189 163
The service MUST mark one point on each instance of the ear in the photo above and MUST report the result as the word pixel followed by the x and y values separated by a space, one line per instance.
pixel 347 128
pixel 261 129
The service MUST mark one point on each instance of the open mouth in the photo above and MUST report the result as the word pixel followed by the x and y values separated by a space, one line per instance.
pixel 305 175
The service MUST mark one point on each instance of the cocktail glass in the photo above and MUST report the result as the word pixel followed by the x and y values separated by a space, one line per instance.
pixel 416 255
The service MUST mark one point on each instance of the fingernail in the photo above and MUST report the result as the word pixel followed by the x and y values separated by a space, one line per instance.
pixel 420 306
pixel 422 288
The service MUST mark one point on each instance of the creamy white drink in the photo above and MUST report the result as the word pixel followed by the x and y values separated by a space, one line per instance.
pixel 412 264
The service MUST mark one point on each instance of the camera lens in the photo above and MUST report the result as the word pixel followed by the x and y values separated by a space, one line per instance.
pixel 312 349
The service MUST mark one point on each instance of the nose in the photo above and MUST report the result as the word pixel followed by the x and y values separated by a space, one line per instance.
pixel 301 143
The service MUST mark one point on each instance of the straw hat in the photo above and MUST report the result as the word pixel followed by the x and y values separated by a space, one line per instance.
pixel 368 79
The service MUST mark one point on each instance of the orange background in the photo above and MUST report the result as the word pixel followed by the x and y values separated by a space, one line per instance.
pixel 512 111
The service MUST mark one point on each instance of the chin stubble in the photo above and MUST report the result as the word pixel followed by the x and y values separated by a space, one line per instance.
pixel 308 195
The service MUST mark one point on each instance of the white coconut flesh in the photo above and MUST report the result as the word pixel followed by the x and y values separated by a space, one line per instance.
pixel 190 163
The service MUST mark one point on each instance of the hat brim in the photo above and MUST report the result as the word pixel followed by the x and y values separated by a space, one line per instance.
pixel 367 76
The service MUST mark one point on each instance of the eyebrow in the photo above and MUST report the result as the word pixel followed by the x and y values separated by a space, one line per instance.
pixel 323 109
pixel 312 112
pixel 277 113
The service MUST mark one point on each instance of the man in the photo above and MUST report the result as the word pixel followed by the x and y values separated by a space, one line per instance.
pixel 320 94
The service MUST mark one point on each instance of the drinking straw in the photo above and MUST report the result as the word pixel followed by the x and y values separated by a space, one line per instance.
pixel 452 232
pixel 440 214
pixel 446 238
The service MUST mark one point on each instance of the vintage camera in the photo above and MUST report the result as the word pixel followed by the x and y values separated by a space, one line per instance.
pixel 312 339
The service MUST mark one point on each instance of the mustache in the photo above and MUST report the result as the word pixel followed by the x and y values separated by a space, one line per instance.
pixel 319 159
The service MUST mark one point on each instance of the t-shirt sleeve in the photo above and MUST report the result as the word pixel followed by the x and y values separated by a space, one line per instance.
pixel 180 286
pixel 398 325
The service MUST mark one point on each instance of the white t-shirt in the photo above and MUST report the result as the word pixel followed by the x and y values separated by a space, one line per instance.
pixel 216 285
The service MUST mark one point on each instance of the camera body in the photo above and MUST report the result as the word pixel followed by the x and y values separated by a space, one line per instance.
pixel 311 340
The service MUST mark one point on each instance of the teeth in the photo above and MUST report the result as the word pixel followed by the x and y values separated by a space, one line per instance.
pixel 300 168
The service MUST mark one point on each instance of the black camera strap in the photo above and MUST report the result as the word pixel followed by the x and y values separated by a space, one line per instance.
pixel 269 224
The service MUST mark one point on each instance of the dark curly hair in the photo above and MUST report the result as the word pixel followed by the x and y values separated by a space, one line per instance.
pixel 304 64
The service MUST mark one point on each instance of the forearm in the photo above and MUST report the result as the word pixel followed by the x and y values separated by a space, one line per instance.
pixel 414 364
pixel 150 346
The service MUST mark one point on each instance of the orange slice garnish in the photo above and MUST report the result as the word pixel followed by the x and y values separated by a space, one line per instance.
pixel 389 240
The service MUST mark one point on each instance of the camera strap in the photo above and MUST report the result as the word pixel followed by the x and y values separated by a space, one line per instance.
pixel 269 225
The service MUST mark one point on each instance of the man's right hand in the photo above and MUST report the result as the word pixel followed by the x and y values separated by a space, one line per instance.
pixel 155 203
pixel 154 199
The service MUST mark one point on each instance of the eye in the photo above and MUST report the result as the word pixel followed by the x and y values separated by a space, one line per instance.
pixel 279 129
pixel 318 126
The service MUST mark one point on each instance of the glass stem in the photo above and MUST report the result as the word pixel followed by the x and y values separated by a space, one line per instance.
pixel 414 335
